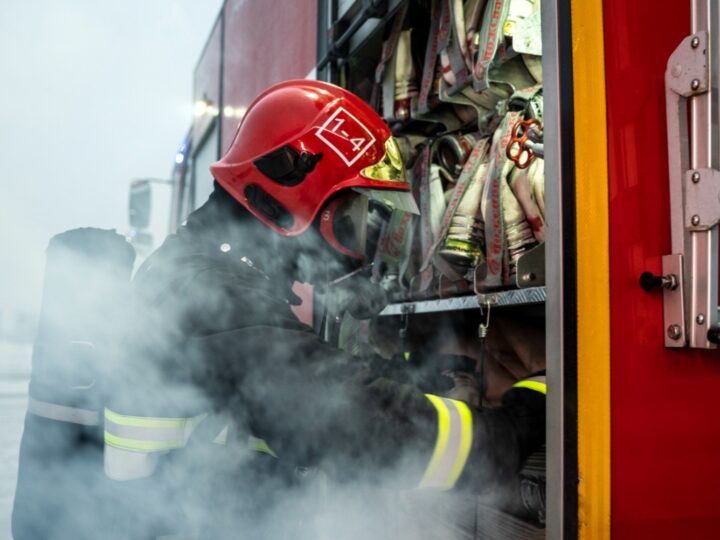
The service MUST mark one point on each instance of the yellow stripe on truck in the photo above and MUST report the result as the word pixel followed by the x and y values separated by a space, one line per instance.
pixel 593 269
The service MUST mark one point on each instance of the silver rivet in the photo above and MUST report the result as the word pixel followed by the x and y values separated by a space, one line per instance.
pixel 695 84
pixel 695 220
pixel 695 177
pixel 225 247
pixel 674 331
pixel 695 42
pixel 528 277
pixel 700 319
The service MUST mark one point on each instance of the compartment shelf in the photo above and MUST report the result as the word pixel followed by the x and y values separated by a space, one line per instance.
pixel 358 22
pixel 515 297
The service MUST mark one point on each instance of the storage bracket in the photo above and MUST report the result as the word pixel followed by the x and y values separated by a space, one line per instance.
pixel 691 306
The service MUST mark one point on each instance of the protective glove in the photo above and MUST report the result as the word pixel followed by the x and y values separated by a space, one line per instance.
pixel 450 375
pixel 360 297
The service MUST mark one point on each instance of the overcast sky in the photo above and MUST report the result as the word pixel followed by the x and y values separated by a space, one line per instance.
pixel 93 93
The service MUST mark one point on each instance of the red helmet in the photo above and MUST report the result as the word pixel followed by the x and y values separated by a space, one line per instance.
pixel 302 141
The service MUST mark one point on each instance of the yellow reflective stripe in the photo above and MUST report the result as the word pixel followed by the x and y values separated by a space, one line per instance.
pixel 148 434
pixel 442 439
pixel 465 440
pixel 259 445
pixel 532 385
pixel 142 446
pixel 150 421
pixel 452 446
pixel 222 436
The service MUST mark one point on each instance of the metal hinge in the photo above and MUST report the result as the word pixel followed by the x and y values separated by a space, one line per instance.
pixel 691 305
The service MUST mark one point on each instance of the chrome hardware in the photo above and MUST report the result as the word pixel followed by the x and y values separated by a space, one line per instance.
pixel 649 281
pixel 693 146
pixel 674 332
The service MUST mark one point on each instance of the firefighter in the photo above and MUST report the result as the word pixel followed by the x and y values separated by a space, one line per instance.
pixel 219 389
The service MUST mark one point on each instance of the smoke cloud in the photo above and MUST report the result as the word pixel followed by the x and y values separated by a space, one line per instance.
pixel 220 341
pixel 146 353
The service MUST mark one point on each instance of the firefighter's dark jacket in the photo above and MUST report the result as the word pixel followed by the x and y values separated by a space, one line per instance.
pixel 213 333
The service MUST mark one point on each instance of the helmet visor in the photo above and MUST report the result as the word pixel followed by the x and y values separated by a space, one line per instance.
pixel 393 199
pixel 390 168
pixel 344 224
pixel 350 223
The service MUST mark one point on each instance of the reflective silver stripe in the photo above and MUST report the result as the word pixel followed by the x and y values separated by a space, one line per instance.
pixel 149 434
pixel 123 465
pixel 452 446
pixel 53 411
pixel 146 433
pixel 133 444
pixel 222 436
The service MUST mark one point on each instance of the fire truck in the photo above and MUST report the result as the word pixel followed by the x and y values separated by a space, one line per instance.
pixel 626 274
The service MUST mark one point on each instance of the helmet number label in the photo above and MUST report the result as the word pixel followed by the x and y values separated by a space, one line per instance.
pixel 346 136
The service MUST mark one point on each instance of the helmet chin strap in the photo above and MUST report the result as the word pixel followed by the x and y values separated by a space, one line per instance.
pixel 349 275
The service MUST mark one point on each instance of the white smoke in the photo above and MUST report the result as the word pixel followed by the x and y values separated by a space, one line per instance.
pixel 146 364
pixel 93 95
pixel 71 84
